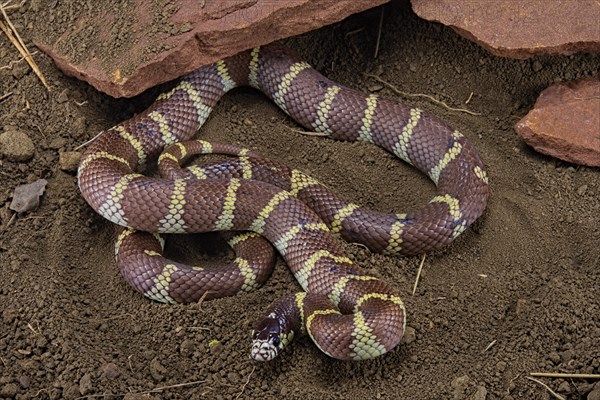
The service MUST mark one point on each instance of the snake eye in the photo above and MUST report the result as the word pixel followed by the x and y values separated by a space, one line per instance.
pixel 276 341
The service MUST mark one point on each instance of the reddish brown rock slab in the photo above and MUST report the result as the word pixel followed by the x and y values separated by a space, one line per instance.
pixel 124 51
pixel 520 29
pixel 565 122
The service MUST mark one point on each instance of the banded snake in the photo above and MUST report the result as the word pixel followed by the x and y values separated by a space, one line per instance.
pixel 347 313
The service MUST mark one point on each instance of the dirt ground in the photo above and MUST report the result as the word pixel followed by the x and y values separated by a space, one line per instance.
pixel 517 293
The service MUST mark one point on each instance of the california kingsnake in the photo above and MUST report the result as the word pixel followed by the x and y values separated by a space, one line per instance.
pixel 348 314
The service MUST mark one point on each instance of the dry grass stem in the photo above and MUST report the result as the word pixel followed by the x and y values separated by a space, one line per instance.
pixel 32 329
pixel 418 275
pixel 245 383
pixel 88 142
pixel 16 40
pixel 10 64
pixel 11 220
pixel 5 96
pixel 489 346
pixel 379 33
pixel 562 375
pixel 11 7
pixel 398 91
pixel 552 392
pixel 113 317
pixel 355 31
pixel 158 389
pixel 309 133
pixel 469 99
pixel 129 362
pixel 202 298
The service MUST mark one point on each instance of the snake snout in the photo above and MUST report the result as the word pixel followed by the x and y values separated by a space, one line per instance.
pixel 270 336
pixel 263 350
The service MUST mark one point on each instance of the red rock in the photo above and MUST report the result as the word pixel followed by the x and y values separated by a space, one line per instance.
pixel 163 44
pixel 565 122
pixel 520 29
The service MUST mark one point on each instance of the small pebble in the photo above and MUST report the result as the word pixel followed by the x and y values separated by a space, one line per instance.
pixel 111 371
pixel 16 145
pixel 376 87
pixel 63 97
pixel 459 384
pixel 215 346
pixel 536 66
pixel 186 348
pixel 567 356
pixel 80 126
pixel 554 357
pixel 521 307
pixel 70 391
pixel 20 69
pixel 57 143
pixel 564 387
pixel 501 366
pixel 27 197
pixel 582 189
pixel 157 370
pixel 594 394
pixel 85 384
pixel 480 394
pixel 69 160
pixel 24 381
pixel 248 122
pixel 410 335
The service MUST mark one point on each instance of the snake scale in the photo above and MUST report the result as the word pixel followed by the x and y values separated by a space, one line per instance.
pixel 348 314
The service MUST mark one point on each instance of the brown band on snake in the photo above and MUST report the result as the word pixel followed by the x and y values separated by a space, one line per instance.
pixel 371 316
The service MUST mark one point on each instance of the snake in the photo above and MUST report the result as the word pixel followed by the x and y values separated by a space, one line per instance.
pixel 348 314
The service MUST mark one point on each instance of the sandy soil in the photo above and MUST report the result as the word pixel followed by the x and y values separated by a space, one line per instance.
pixel 517 293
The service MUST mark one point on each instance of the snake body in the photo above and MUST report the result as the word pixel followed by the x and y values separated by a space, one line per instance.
pixel 348 314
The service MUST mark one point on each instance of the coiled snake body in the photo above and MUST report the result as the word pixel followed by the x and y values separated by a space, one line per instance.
pixel 348 314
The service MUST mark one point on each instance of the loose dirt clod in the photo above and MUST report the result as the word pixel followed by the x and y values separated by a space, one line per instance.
pixel 16 145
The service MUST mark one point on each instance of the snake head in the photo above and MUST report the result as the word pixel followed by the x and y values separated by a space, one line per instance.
pixel 269 337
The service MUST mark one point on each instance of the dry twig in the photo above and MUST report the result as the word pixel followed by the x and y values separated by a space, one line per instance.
pixel 16 40
pixel 418 275
pixel 561 375
pixel 552 392
pixel 469 99
pixel 5 96
pixel 489 346
pixel 398 91
pixel 308 133
pixel 158 389
pixel 88 142
pixel 379 33
pixel 9 7
pixel 13 62
pixel 355 31
pixel 113 317
pixel 202 298
pixel 245 383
